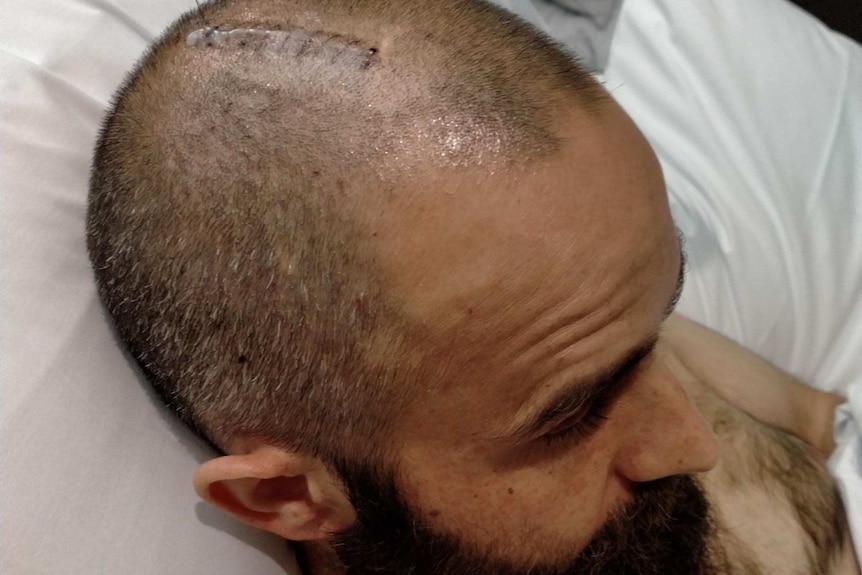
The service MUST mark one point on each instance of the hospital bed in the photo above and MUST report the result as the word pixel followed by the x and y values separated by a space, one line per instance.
pixel 754 108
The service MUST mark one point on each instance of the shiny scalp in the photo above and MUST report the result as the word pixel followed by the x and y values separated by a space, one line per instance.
pixel 222 217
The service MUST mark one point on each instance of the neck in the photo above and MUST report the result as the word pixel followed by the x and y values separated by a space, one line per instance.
pixel 318 558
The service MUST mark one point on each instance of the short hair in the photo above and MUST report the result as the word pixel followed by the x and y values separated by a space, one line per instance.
pixel 227 179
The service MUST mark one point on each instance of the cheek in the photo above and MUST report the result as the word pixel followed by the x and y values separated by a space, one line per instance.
pixel 549 508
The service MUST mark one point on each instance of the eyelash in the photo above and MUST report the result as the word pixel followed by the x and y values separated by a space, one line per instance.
pixel 578 431
pixel 584 427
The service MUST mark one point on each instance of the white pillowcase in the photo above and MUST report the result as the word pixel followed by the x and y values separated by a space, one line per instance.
pixel 96 475
pixel 755 110
pixel 753 107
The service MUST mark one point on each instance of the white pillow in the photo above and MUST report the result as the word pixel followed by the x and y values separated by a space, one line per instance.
pixel 753 107
pixel 96 475
pixel 755 110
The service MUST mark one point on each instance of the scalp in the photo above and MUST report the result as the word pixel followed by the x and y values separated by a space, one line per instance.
pixel 229 173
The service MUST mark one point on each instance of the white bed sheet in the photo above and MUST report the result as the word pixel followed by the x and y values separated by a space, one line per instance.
pixel 753 107
pixel 755 110
pixel 96 477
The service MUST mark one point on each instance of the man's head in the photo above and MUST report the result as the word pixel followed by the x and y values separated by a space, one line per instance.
pixel 412 242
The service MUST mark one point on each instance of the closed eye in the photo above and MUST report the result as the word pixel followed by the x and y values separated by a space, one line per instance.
pixel 583 424
pixel 585 427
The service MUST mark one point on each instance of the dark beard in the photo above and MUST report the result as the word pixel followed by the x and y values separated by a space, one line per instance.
pixel 665 530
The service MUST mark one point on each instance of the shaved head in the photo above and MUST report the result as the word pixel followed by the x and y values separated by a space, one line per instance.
pixel 236 178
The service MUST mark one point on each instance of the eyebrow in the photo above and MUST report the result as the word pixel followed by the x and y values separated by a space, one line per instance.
pixel 680 280
pixel 575 398
pixel 607 383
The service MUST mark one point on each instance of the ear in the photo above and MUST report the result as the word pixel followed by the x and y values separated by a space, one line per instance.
pixel 290 494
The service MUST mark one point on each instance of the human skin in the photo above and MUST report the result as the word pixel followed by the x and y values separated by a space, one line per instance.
pixel 544 277
pixel 753 385
pixel 518 281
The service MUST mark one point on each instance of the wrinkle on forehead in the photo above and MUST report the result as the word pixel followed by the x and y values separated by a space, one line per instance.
pixel 528 277
pixel 490 374
pixel 546 332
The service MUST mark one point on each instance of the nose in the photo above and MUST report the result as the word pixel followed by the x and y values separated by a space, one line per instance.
pixel 664 433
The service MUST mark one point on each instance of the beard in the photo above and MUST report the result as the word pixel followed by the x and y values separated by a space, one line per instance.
pixel 666 529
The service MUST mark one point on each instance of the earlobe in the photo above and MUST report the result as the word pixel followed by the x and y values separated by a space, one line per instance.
pixel 287 493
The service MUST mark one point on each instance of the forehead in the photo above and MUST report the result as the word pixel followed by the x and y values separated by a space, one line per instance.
pixel 592 211
pixel 497 267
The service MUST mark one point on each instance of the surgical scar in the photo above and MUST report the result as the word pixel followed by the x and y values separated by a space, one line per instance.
pixel 295 42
